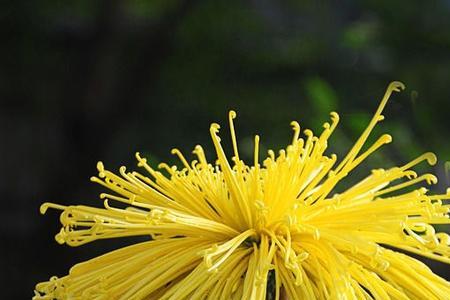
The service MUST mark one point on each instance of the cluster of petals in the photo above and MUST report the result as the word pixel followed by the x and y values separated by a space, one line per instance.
pixel 277 228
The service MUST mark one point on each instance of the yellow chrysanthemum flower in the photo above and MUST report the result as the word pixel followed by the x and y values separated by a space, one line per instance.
pixel 261 231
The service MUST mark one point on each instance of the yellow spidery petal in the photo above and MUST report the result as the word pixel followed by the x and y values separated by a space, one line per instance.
pixel 231 117
pixel 276 228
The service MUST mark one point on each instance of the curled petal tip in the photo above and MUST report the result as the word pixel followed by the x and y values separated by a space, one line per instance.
pixel 100 166
pixel 141 161
pixel 410 174
pixel 232 114
pixel 396 86
pixel 387 138
pixel 431 158
pixel 59 238
pixel 43 208
pixel 101 169
pixel 106 204
pixel 295 125
pixel 214 127
pixel 334 116
pixel 308 132
pixel 431 179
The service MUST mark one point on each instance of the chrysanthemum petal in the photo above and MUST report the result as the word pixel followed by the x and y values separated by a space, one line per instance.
pixel 279 229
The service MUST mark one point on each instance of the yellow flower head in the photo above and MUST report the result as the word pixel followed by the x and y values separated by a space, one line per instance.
pixel 276 228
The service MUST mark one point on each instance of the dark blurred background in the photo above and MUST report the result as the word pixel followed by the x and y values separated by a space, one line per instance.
pixel 82 81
